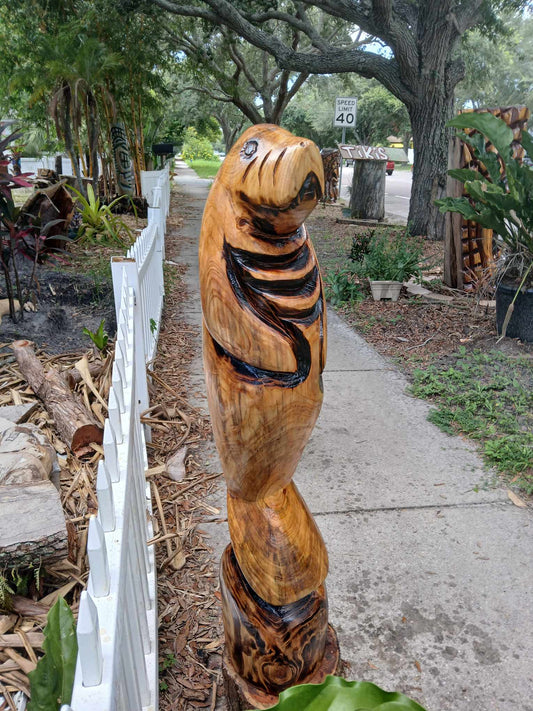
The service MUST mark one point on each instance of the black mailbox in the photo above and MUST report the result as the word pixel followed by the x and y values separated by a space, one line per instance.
pixel 163 149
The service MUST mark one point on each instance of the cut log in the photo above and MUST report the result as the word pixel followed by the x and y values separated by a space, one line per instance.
pixel 368 190
pixel 74 377
pixel 26 455
pixel 32 525
pixel 74 423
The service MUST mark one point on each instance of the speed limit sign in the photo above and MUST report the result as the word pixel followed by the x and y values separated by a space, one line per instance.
pixel 345 112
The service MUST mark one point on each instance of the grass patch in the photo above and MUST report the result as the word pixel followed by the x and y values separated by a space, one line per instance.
pixel 204 168
pixel 487 396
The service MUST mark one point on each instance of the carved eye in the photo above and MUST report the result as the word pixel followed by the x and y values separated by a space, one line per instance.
pixel 249 149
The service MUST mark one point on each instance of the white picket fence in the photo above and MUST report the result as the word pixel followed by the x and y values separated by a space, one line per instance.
pixel 117 622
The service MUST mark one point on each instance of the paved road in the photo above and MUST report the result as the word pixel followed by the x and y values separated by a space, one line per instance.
pixel 397 191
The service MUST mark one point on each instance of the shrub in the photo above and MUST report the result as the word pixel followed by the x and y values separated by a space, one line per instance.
pixel 196 147
pixel 392 257
pixel 361 246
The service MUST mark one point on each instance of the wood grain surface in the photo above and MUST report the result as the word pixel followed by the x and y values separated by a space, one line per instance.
pixel 273 647
pixel 278 545
pixel 264 352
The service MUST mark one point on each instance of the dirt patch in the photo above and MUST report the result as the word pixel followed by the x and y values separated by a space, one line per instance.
pixel 65 304
pixel 69 293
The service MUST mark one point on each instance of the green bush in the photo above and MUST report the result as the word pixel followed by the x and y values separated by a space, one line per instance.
pixel 196 147
pixel 392 257
pixel 341 289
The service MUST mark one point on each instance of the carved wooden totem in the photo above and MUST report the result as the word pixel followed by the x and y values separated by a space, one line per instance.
pixel 264 352
pixel 331 160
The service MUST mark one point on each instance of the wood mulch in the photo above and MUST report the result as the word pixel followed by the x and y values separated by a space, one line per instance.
pixel 190 630
pixel 30 594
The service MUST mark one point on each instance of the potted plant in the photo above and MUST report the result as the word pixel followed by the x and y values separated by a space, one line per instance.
pixel 501 202
pixel 390 260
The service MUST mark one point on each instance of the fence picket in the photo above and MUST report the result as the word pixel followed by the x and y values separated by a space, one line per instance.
pixel 104 492
pixel 119 670
pixel 98 563
pixel 89 646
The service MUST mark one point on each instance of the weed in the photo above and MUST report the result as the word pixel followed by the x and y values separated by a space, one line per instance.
pixel 341 289
pixel 98 337
pixel 487 396
pixel 361 246
pixel 168 661
pixel 153 326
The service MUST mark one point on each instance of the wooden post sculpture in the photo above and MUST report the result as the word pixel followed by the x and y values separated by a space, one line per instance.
pixel 264 352
pixel 331 160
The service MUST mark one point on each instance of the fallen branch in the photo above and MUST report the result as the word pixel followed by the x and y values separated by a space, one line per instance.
pixel 76 426
pixel 421 345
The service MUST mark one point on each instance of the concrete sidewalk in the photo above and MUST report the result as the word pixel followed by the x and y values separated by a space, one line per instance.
pixel 431 575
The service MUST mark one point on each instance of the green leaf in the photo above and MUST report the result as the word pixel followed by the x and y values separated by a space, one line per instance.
pixel 464 174
pixel 461 205
pixel 496 130
pixel 336 694
pixel 52 680
pixel 527 142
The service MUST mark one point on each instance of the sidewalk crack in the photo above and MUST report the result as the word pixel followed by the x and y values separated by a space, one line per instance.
pixel 426 507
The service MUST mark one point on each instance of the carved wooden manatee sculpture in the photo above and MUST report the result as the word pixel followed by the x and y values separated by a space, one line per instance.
pixel 264 352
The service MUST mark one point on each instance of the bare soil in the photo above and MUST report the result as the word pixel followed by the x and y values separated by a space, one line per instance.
pixel 69 293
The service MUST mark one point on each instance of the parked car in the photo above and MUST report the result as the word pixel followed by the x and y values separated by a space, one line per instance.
pixel 390 167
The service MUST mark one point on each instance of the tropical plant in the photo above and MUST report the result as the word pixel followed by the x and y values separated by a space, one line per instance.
pixel 12 238
pixel 501 201
pixel 336 694
pixel 98 222
pixel 99 337
pixel 391 257
pixel 52 680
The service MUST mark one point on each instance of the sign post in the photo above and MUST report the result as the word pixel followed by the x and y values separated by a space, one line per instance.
pixel 345 116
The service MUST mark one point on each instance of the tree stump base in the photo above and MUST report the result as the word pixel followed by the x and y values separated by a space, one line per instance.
pixel 241 695
pixel 368 190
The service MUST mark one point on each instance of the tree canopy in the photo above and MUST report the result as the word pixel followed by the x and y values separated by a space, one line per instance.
pixel 415 54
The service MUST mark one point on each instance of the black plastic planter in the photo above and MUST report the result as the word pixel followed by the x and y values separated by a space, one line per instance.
pixel 521 323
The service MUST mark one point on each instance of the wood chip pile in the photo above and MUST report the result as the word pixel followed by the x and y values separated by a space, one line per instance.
pixel 27 595
pixel 190 629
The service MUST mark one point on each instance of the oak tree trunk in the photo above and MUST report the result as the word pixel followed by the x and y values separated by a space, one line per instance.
pixel 430 140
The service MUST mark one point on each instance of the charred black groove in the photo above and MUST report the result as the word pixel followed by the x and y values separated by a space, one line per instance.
pixel 278 161
pixel 252 295
pixel 248 168
pixel 293 261
pixel 263 165
pixel 303 286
